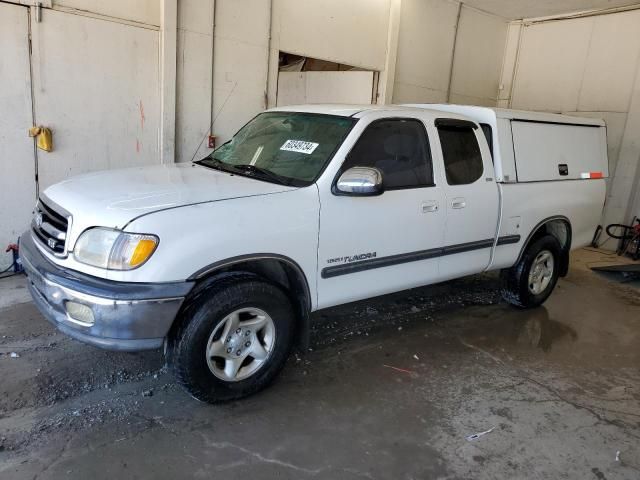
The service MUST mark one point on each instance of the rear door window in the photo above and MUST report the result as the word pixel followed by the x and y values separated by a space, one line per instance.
pixel 461 154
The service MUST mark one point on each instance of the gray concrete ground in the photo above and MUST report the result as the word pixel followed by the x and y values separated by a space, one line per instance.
pixel 391 389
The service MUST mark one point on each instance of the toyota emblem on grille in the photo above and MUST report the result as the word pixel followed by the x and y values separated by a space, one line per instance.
pixel 38 219
pixel 52 243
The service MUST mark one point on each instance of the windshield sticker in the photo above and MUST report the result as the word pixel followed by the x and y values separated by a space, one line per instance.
pixel 299 146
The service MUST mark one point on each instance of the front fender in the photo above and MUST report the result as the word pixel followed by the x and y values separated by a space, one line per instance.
pixel 196 237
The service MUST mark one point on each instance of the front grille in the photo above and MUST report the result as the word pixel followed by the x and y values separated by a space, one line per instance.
pixel 50 228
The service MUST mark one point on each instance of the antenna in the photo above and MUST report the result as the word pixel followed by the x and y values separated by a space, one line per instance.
pixel 214 120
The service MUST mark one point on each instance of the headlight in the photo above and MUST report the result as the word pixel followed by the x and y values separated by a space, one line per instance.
pixel 113 249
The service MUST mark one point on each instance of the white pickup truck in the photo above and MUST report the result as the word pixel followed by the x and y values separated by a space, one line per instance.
pixel 222 260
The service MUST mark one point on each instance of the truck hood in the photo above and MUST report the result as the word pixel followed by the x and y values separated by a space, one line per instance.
pixel 113 198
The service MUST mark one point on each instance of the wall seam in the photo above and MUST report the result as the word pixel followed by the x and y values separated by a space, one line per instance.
pixel 213 68
pixel 453 51
pixel 516 64
pixel 168 80
pixel 586 61
pixel 101 16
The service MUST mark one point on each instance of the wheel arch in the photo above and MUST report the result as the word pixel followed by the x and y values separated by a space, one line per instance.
pixel 559 227
pixel 278 269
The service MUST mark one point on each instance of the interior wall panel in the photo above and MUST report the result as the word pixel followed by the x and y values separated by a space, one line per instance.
pixel 101 99
pixel 425 46
pixel 240 63
pixel 426 66
pixel 550 65
pixel 17 161
pixel 143 11
pixel 194 72
pixel 478 58
pixel 352 33
pixel 295 88
pixel 610 68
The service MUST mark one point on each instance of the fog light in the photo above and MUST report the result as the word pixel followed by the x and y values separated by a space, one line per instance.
pixel 80 314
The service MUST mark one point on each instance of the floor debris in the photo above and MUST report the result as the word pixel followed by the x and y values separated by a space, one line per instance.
pixel 398 369
pixel 424 418
pixel 476 436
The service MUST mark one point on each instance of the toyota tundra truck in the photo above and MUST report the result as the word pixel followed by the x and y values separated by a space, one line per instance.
pixel 221 261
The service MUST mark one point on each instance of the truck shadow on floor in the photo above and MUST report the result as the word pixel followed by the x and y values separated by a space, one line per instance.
pixel 53 368
pixel 402 309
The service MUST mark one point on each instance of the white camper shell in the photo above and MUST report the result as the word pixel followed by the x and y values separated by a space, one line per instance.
pixel 535 147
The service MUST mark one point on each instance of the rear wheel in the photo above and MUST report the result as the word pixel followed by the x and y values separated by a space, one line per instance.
pixel 233 339
pixel 530 282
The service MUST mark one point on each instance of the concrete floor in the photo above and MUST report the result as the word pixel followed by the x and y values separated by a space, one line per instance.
pixel 391 389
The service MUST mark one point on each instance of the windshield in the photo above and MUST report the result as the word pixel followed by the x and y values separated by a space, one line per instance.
pixel 282 147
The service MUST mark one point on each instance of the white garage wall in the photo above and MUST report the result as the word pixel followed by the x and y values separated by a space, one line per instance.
pixel 351 33
pixel 478 58
pixel 193 60
pixel 429 29
pixel 143 11
pixel 587 66
pixel 230 71
pixel 240 63
pixel 425 51
pixel 249 34
pixel 194 77
pixel 297 88
pixel 425 47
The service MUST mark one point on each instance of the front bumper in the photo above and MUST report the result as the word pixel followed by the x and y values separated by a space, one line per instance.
pixel 127 316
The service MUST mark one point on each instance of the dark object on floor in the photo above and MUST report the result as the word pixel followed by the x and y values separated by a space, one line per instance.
pixel 596 236
pixel 628 236
pixel 629 272
pixel 16 263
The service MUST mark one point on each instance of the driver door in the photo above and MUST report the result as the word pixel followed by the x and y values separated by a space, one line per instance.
pixel 373 245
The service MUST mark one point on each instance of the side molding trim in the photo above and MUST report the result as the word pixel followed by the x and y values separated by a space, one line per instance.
pixel 401 258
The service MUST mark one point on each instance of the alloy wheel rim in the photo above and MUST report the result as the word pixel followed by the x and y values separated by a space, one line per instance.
pixel 541 272
pixel 240 344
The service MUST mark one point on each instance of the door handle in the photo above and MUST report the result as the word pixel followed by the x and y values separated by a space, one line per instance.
pixel 428 207
pixel 458 202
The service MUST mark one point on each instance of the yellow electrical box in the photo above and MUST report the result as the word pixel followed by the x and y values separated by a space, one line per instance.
pixel 44 138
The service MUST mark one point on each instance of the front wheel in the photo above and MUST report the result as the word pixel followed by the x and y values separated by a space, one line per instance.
pixel 233 339
pixel 530 282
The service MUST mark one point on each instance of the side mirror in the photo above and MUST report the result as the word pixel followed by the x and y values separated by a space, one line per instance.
pixel 361 181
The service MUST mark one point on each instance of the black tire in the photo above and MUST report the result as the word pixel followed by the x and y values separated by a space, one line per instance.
pixel 204 312
pixel 515 280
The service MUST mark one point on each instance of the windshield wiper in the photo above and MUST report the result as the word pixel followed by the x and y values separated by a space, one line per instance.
pixel 214 163
pixel 261 172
